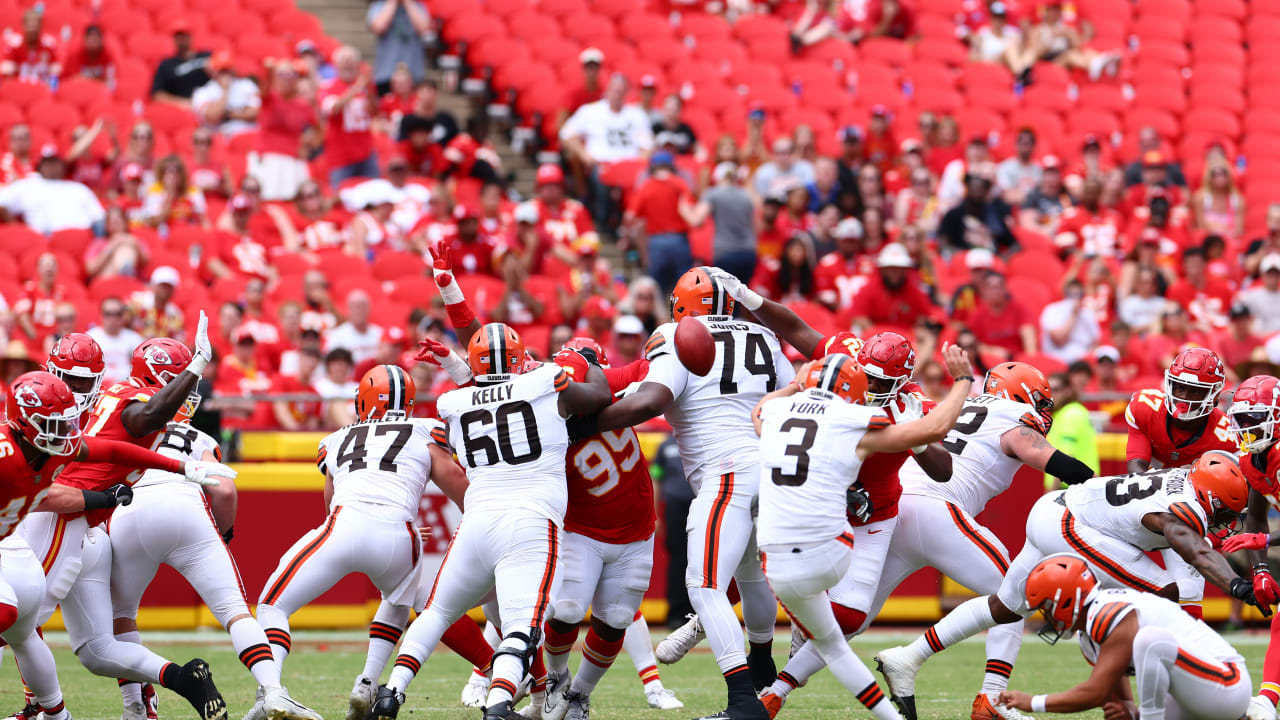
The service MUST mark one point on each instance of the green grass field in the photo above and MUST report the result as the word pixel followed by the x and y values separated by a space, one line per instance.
pixel 323 666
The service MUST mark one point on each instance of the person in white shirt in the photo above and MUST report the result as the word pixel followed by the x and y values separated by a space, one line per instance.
pixel 1264 297
pixel 357 334
pixel 116 340
pixel 603 132
pixel 336 382
pixel 227 103
pixel 784 171
pixel 1068 328
pixel 48 202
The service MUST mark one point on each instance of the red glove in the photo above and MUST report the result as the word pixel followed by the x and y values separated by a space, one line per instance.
pixel 1265 588
pixel 438 354
pixel 1246 541
pixel 441 261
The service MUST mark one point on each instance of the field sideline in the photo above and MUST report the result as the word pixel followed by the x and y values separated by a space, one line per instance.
pixel 323 665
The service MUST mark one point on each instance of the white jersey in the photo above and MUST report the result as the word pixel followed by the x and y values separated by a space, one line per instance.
pixel 980 469
pixel 180 442
pixel 711 415
pixel 382 466
pixel 512 441
pixel 807 462
pixel 1116 505
pixel 1108 607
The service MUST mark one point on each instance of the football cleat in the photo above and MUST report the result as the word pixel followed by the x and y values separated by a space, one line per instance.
pixel 661 698
pixel 772 702
pixel 277 705
pixel 740 711
pixel 386 704
pixel 195 684
pixel 899 671
pixel 256 712
pixel 797 640
pixel 555 701
pixel 761 666
pixel 134 711
pixel 1260 708
pixel 985 708
pixel 474 692
pixel 30 712
pixel 579 707
pixel 680 641
pixel 532 711
pixel 501 711
pixel 360 699
pixel 151 700
pixel 64 715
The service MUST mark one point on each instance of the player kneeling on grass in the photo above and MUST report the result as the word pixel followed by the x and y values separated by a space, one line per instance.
pixel 1182 667
pixel 805 540
pixel 171 523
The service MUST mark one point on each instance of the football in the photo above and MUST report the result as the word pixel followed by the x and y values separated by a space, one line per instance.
pixel 694 346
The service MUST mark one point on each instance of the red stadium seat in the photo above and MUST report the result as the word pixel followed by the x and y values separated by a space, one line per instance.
pixel 530 25
pixel 1163 121
pixel 1210 73
pixel 1227 53
pixel 1215 29
pixel 749 27
pixel 886 50
pixel 769 49
pixel 1179 10
pixel 1211 120
pixel 1164 51
pixel 393 265
pixel 1102 97
pixel 71 242
pixel 1031 292
pixel 507 8
pixel 722 51
pixel 83 92
pixel 412 289
pixel 1218 96
pixel 1261 121
pixel 976 76
pixel 116 286
pixel 1049 97
pixel 939 100
pixel 22 93
pixel 641 26
pixel 1160 97
pixel 562 8
pixel 1094 121
pixel 1234 9
pixel 1045 74
pixel 702 27
pixel 947 51
pixel 836 53
pixel 123 21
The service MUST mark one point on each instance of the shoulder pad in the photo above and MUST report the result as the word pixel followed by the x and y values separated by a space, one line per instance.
pixel 322 454
pixel 658 344
pixel 1105 619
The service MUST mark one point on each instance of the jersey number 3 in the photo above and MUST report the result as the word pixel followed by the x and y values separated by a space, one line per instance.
pixel 799 451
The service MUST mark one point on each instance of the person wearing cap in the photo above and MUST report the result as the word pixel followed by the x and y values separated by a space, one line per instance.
pixel 1205 298
pixel 953 179
pixel 1149 141
pixel 658 218
pixel 842 272
pixel 1018 174
pixel 91 58
pixel 892 296
pixel 154 312
pixel 1263 299
pixel 681 138
pixel 1044 205
pixel 178 76
pixel 400 26
pixel 240 374
pixel 140 150
pixel 732 211
pixel 1002 327
pixel 1069 328
pixel 852 154
pixel 880 147
pixel 980 220
pixel 1237 344
pixel 979 262
pixel 629 335
pixel 1088 227
pixel 528 241
pixel 47 202
pixel 347 105
pixel 590 89
pixel 285 117
pixel 371 228
pixel 1155 183
pixel 997 40
pixel 473 251
pixel 648 101
pixel 34 56
pixel 784 170
pixel 227 103
pixel 604 132
pixel 597 316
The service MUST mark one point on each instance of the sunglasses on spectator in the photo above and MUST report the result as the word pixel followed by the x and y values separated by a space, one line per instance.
pixel 202 141
pixel 66 318
pixel 140 135
pixel 112 313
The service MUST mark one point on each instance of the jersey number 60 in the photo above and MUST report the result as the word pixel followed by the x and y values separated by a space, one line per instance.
pixel 482 442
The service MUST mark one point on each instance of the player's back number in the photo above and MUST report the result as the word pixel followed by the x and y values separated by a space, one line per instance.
pixel 354 454
pixel 481 426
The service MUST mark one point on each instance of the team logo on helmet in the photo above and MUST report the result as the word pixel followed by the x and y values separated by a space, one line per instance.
pixel 26 397
pixel 157 355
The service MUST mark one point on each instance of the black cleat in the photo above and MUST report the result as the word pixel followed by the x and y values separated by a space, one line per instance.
pixel 195 684
pixel 760 664
pixel 746 708
pixel 386 704
pixel 501 711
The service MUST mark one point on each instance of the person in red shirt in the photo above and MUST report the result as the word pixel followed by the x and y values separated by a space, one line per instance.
pixel 561 218
pixel 15 164
pixel 891 297
pixel 1176 334
pixel 1088 227
pixel 238 251
pixel 399 102
pixel 659 212
pixel 33 56
pixel 885 18
pixel 1205 298
pixel 788 278
pixel 842 273
pixel 284 120
pixel 88 162
pixel 1236 344
pixel 473 251
pixel 239 375
pixel 91 58
pixel 1155 182
pixel 998 323
pixel 35 311
pixel 347 104
pixel 298 414
pixel 879 148
pixel 591 89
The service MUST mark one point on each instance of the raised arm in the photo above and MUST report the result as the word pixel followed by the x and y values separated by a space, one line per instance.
pixel 143 418
pixel 775 316
pixel 932 427
pixel 461 316
pixel 1034 450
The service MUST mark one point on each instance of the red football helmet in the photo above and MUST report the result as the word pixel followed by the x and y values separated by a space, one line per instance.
pixel 1221 489
pixel 42 410
pixel 76 359
pixel 1059 587
pixel 495 352
pixel 1023 383
pixel 586 343
pixel 888 359
pixel 159 360
pixel 842 342
pixel 838 374
pixel 1193 383
pixel 1254 411
pixel 697 293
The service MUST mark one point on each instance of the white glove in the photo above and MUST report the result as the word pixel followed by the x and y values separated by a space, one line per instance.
pixel 203 350
pixel 204 472
pixel 749 298
pixel 911 409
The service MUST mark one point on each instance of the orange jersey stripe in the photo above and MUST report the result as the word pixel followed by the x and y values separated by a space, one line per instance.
pixel 1212 670
pixel 957 515
pixel 711 550
pixel 1105 620
pixel 301 558
pixel 1111 567
pixel 1186 514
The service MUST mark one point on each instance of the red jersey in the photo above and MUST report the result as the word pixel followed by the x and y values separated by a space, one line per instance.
pixel 1205 305
pixel 475 257
pixel 13 167
pixel 23 488
pixel 838 279
pixel 349 138
pixel 565 223
pixel 242 254
pixel 79 63
pixel 1094 233
pixel 41 305
pixel 610 490
pixel 879 473
pixel 104 422
pixel 884 306
pixel 35 64
pixel 1153 437
pixel 1263 473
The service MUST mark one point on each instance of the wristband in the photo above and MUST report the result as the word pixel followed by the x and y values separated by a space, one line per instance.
pixel 460 314
pixel 1038 702
pixel 751 299
pixel 458 369
pixel 963 377
pixel 1261 567
pixel 197 365
pixel 449 290
pixel 98 500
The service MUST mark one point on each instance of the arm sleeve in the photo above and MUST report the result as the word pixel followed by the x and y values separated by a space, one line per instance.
pixel 622 377
pixel 99 450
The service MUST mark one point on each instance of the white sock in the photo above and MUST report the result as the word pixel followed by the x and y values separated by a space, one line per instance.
pixel 854 676
pixel 968 619
pixel 130 691
pixel 1003 644
pixel 724 634
pixel 384 632
pixel 275 622
pixel 802 666
pixel 250 642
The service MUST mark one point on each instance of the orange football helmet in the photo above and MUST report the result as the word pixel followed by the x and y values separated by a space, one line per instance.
pixel 1023 383
pixel 1059 587
pixel 1221 489
pixel 697 293
pixel 386 391
pixel 188 409
pixel 495 352
pixel 838 374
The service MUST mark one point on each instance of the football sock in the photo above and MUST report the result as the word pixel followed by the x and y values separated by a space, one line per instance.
pixel 638 645
pixel 251 645
pixel 538 671
pixel 738 680
pixel 1271 665
pixel 724 634
pixel 1003 644
pixel 558 646
pixel 760 661
pixel 969 618
pixel 803 665
pixel 39 673
pixel 598 655
pixel 384 632
pixel 419 641
pixel 130 690
pixel 276 624
pixel 465 638
pixel 759 609
pixel 508 671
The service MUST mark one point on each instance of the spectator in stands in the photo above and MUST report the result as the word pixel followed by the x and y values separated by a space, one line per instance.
pixel 1236 345
pixel 1089 226
pixel 1000 325
pixel 1220 264
pixel 16 161
pixel 879 147
pixel 278 161
pixel 337 387
pixel 91 58
pixel 1056 40
pixel 998 40
pixel 852 155
pixel 1218 207
pixel 680 135
pixel 643 301
pixel 227 103
pixel 85 162
pixel 47 202
pixel 35 312
pixel 1148 142
pixel 789 277
pixel 129 198
pixel 1016 176
pixel 979 220
pixel 319 311
pixel 399 101
pixel 1142 300
pixel 782 172
pixel 441 124
pixel 589 277
pixel 730 208
pixel 1069 327
pixel 916 203
pixel 658 219
pixel 1155 184
pixel 319 69
pixel 1205 298
pixel 1106 375
pixel 648 98
pixel 357 335
pixel 1176 332
pixel 979 262
pixel 604 132
pixel 172 199
pixel 140 151
pixel 209 171
pixel 371 229
pixel 33 56
pixel 871 193
pixel 590 89
pixel 400 26
pixel 116 339
pixel 239 375
pixel 1263 299
pixel 825 188
pixel 118 252
pixel 154 312
pixel 470 154
pixel 295 415
pixel 473 251
pixel 1268 243
pixel 597 319
pixel 1072 430
pixel 892 296
pixel 884 18
pixel 952 178
pixel 754 152
pixel 517 306
pixel 348 104
pixel 253 218
pixel 526 240
pixel 841 273
pixel 629 336
pixel 1045 203
pixel 179 75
